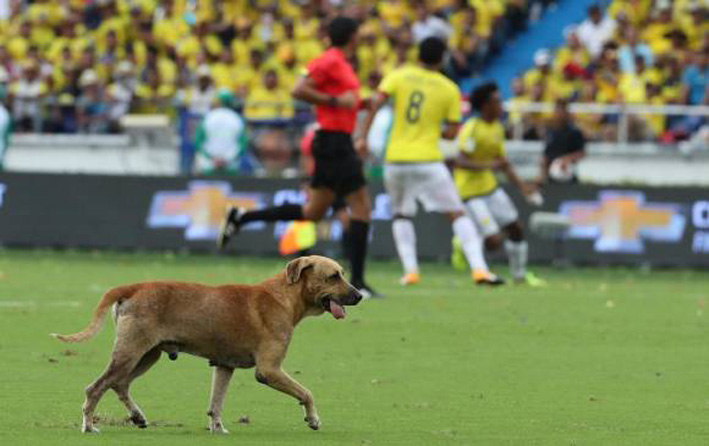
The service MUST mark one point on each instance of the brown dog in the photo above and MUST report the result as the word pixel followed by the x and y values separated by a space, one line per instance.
pixel 233 326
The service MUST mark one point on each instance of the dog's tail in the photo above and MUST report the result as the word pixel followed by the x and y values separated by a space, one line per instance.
pixel 108 299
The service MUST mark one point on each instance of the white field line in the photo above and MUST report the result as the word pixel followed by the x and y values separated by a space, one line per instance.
pixel 33 304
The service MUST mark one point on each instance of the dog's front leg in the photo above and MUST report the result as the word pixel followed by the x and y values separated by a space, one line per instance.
pixel 269 372
pixel 220 383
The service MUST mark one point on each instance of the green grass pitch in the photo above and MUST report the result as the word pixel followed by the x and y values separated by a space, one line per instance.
pixel 600 357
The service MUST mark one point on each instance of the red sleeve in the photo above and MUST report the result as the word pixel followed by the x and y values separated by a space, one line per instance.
pixel 318 70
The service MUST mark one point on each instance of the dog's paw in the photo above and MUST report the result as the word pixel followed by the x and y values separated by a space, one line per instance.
pixel 89 430
pixel 218 429
pixel 138 420
pixel 313 422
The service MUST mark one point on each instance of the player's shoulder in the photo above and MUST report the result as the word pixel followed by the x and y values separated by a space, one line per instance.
pixel 406 73
pixel 325 59
pixel 442 82
pixel 447 82
pixel 470 124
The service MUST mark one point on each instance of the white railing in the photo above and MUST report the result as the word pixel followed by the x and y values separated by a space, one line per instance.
pixel 622 110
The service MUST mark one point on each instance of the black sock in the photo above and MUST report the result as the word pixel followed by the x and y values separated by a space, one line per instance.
pixel 359 239
pixel 286 212
pixel 345 243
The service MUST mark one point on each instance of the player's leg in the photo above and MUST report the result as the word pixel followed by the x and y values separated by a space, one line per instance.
pixel 315 209
pixel 360 215
pixel 440 195
pixel 403 205
pixel 483 221
pixel 516 247
pixel 330 169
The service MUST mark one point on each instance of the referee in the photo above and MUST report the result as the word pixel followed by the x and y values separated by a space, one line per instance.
pixel 332 86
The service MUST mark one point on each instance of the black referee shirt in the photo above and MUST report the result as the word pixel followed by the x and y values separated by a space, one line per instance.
pixel 563 141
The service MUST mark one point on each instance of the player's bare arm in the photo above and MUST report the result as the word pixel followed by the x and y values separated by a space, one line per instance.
pixel 375 104
pixel 524 187
pixel 463 162
pixel 450 130
pixel 305 90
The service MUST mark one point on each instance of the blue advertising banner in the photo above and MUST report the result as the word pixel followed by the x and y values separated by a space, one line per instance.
pixel 661 226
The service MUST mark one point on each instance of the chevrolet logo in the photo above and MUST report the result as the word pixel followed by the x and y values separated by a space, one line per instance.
pixel 200 209
pixel 620 221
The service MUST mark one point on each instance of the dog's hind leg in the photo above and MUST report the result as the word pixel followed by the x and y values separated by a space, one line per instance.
pixel 220 383
pixel 130 347
pixel 123 389
pixel 269 372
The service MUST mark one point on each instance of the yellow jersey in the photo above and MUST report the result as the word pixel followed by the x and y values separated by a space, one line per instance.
pixel 422 101
pixel 264 104
pixel 480 141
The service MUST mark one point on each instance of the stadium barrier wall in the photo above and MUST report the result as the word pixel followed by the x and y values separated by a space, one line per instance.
pixel 609 225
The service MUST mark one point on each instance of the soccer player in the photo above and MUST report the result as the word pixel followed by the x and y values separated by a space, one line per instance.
pixel 332 86
pixel 423 101
pixel 481 153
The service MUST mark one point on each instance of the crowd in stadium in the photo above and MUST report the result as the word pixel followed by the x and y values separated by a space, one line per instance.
pixel 79 66
pixel 635 52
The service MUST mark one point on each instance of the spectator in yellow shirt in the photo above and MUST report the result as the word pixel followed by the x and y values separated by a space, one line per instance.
pixel 656 122
pixel 516 118
pixel 488 15
pixel 200 39
pixel 224 71
pixel 269 102
pixel 541 73
pixel 170 27
pixel 249 76
pixel 288 70
pixel 371 52
pixel 607 78
pixel 111 53
pixel 468 48
pixel 306 26
pixel 20 43
pixel 637 11
pixel 632 84
pixel 242 44
pixel 394 13
pixel 152 95
pixel 696 27
pixel 655 33
pixel 111 20
pixel 42 31
pixel 573 52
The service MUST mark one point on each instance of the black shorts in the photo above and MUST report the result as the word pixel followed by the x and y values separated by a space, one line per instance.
pixel 337 166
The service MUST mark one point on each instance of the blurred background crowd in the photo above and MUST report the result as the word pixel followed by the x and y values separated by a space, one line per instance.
pixel 81 66
pixel 635 52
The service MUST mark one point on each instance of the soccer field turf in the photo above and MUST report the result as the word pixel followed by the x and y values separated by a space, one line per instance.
pixel 599 357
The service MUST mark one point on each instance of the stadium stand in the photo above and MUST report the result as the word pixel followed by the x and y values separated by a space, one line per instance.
pixel 66 64
pixel 636 54
pixel 81 66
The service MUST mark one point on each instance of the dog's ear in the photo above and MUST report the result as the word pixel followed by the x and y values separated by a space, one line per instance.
pixel 295 268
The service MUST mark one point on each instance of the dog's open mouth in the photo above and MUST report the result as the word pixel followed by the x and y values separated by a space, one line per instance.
pixel 337 310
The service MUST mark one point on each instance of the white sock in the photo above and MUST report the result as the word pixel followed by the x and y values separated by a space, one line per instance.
pixel 517 253
pixel 471 243
pixel 405 241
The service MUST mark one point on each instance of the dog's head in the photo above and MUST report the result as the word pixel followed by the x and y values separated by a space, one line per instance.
pixel 324 285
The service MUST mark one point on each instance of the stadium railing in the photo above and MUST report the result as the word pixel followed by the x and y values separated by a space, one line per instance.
pixel 623 112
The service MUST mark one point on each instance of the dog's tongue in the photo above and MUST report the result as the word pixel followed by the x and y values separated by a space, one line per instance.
pixel 337 310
